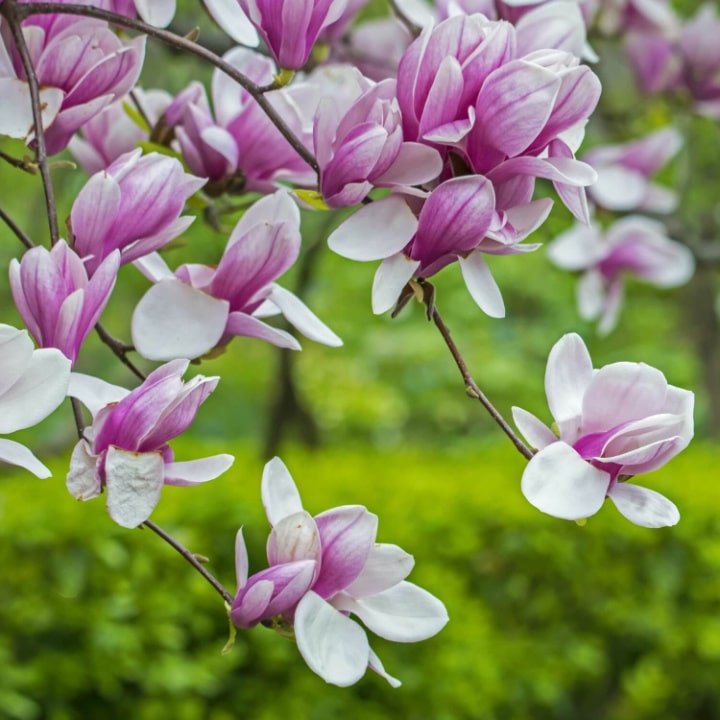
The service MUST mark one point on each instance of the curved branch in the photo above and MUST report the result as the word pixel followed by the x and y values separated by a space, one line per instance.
pixel 21 236
pixel 39 8
pixel 14 13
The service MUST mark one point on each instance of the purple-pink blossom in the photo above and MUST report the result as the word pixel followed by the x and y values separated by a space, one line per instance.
pixel 324 569
pixel 125 451
pixel 190 312
pixel 614 422
pixel 55 298
pixel 133 206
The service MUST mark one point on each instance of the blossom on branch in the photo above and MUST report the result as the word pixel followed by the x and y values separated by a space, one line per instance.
pixel 621 420
pixel 188 313
pixel 55 299
pixel 324 569
pixel 32 384
pixel 133 206
pixel 125 451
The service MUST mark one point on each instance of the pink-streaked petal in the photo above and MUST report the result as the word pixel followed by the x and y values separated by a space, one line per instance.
pixel 252 605
pixel 83 482
pixel 16 454
pixel 644 507
pixel 193 472
pixel 333 646
pixel 93 392
pixel 133 485
pixel 402 613
pixel 390 278
pixel 241 560
pixel 376 666
pixel 294 537
pixel 174 320
pixel 40 389
pixel 533 430
pixel 276 209
pixel 346 536
pixel 481 284
pixel 376 231
pixel 567 375
pixel 248 326
pixel 415 164
pixel 559 482
pixel 280 496
pixel 387 565
pixel 302 318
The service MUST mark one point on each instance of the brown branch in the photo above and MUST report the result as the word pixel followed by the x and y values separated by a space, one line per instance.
pixel 37 8
pixel 192 559
pixel 120 349
pixel 472 389
pixel 13 14
pixel 21 236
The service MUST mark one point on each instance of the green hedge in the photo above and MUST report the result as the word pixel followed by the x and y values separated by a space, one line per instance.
pixel 548 619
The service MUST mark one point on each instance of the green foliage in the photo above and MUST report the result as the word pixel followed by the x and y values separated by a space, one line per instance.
pixel 548 620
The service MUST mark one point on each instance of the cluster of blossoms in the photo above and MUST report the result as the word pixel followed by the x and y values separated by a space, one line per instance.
pixel 442 145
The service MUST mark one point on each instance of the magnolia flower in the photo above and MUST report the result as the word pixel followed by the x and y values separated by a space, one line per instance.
pixel 625 172
pixel 32 384
pixel 635 246
pixel 324 569
pixel 154 12
pixel 81 66
pixel 125 451
pixel 133 206
pixel 56 300
pixel 189 312
pixel 621 420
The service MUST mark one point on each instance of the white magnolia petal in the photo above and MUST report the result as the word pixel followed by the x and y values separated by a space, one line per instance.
pixel 333 646
pixel 386 565
pixel 643 506
pixel 40 389
pixel 153 267
pixel 576 249
pixel 568 373
pixel 298 314
pixel 560 483
pixel 481 284
pixel 294 537
pixel 16 454
pixel 133 483
pixel 193 472
pixel 536 432
pixel 376 666
pixel 280 496
pixel 230 17
pixel 390 278
pixel 375 231
pixel 244 325
pixel 93 392
pixel 16 119
pixel 83 482
pixel 402 613
pixel 174 320
pixel 156 12
pixel 590 295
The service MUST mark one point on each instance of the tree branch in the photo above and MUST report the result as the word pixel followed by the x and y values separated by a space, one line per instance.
pixel 120 349
pixel 21 236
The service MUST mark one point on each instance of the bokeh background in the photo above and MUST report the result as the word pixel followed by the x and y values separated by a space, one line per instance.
pixel 548 619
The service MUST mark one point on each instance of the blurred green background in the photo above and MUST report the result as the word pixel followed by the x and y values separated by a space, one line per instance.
pixel 548 619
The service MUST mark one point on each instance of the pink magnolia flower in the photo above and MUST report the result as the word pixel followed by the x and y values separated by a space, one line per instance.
pixel 32 384
pixel 55 299
pixel 621 420
pixel 126 453
pixel 231 148
pixel 625 172
pixel 635 246
pixel 154 12
pixel 113 132
pixel 290 29
pixel 81 65
pixel 364 148
pixel 324 569
pixel 190 312
pixel 133 206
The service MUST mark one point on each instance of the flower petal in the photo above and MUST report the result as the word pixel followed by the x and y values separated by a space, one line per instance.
pixel 644 507
pixel 387 565
pixel 293 538
pixel 560 483
pixel 16 454
pixel 280 496
pixel 481 284
pixel 533 430
pixel 83 482
pixel 390 278
pixel 333 646
pixel 193 472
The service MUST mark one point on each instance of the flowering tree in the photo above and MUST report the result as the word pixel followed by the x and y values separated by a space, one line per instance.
pixel 437 128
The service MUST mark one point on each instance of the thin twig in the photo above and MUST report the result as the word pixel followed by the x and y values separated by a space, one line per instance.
pixel 472 389
pixel 412 28
pixel 21 236
pixel 77 416
pixel 10 10
pixel 26 165
pixel 120 349
pixel 37 8
pixel 192 559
